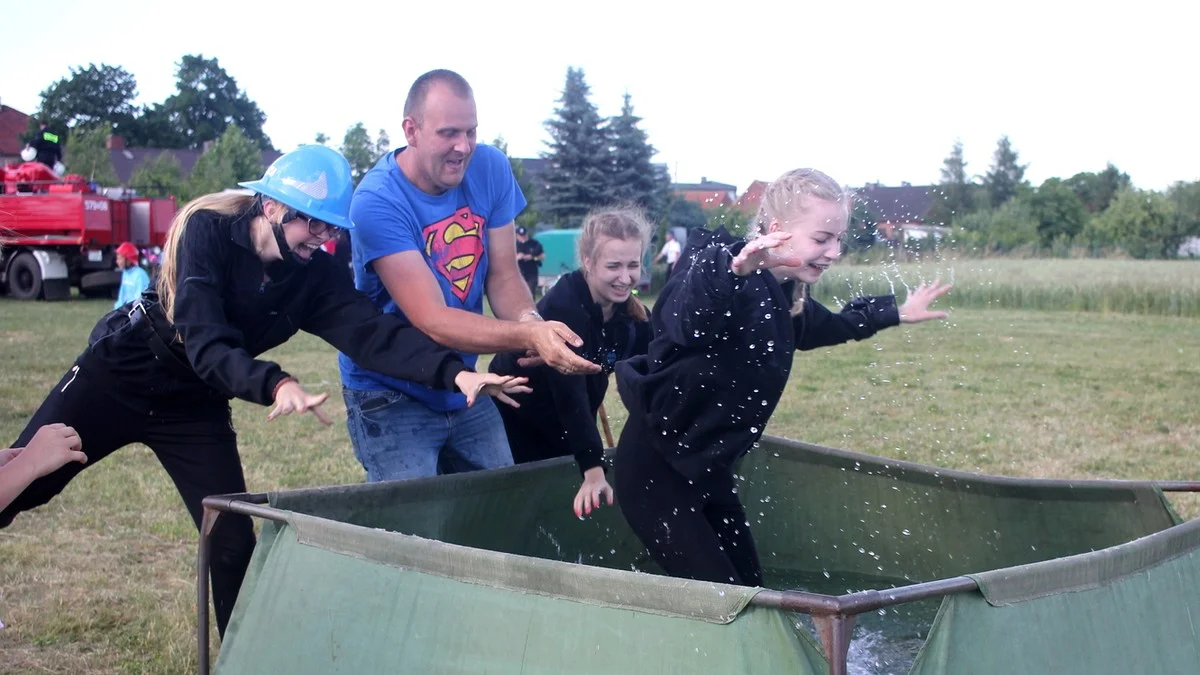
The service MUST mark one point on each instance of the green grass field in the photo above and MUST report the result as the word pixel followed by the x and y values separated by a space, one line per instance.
pixel 1156 287
pixel 101 580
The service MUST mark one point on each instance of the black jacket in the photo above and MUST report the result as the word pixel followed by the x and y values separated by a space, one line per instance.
pixel 227 313
pixel 564 406
pixel 48 151
pixel 722 352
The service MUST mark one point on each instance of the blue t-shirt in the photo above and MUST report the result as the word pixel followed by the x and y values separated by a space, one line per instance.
pixel 391 215
pixel 134 280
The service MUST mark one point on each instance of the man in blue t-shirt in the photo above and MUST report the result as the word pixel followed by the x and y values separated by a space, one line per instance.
pixel 433 235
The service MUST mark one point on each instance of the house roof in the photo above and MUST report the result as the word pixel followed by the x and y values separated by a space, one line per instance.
pixel 13 123
pixel 753 195
pixel 902 204
pixel 125 161
pixel 704 185
pixel 707 198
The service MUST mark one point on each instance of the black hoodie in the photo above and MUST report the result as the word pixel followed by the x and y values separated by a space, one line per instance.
pixel 722 352
pixel 564 406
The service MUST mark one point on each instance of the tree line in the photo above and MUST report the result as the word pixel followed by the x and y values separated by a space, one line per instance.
pixel 1091 213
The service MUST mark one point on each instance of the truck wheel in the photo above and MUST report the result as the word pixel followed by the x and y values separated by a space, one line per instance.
pixel 25 277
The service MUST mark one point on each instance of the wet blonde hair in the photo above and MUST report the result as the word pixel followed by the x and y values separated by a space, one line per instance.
pixel 784 197
pixel 615 222
pixel 788 196
pixel 224 203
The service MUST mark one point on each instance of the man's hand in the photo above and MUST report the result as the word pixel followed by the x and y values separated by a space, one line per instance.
pixel 549 340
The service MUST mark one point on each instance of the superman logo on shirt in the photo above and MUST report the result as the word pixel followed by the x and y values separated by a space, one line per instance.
pixel 455 246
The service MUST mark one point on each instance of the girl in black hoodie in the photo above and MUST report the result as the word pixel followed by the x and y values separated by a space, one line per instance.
pixel 596 301
pixel 725 327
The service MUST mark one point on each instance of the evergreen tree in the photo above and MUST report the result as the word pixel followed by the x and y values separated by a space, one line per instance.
pixel 579 160
pixel 359 151
pixel 1006 176
pixel 383 144
pixel 953 198
pixel 529 216
pixel 634 178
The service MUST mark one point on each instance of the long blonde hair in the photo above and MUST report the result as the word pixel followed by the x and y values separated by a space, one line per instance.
pixel 615 222
pixel 224 203
pixel 786 197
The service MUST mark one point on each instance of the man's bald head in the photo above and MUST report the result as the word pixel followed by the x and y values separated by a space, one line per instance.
pixel 414 105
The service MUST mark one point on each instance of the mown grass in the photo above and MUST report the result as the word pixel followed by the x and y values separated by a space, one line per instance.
pixel 1158 287
pixel 101 580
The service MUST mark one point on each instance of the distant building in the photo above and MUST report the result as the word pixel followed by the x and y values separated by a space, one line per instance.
pixel 708 194
pixel 126 161
pixel 900 212
pixel 752 197
pixel 13 123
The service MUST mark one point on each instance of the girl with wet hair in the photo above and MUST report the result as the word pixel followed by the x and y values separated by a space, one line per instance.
pixel 725 327
pixel 597 302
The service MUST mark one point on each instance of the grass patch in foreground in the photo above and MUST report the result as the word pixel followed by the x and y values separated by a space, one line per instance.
pixel 101 580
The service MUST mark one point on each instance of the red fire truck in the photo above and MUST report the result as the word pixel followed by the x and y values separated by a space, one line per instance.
pixel 61 233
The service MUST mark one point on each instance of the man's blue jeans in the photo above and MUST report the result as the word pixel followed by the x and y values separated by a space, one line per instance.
pixel 396 436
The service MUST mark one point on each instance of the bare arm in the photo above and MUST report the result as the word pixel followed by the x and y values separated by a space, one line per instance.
pixel 416 291
pixel 506 289
pixel 414 288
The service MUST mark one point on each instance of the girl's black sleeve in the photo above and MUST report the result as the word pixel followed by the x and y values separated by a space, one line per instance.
pixel 385 343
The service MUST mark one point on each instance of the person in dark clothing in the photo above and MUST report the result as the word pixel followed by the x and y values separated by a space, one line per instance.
pixel 596 301
pixel 240 274
pixel 530 255
pixel 47 146
pixel 725 327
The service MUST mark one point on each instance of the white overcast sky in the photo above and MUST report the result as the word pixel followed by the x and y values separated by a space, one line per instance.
pixel 730 91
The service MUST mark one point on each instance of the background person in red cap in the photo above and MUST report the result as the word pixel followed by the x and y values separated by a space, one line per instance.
pixel 134 279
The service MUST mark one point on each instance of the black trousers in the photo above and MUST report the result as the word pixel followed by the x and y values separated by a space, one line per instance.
pixel 693 530
pixel 531 442
pixel 193 439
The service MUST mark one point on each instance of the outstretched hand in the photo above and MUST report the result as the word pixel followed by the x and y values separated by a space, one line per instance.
pixel 764 252
pixel 292 398
pixel 550 340
pixel 475 384
pixel 916 307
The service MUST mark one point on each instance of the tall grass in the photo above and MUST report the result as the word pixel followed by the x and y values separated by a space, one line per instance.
pixel 1162 288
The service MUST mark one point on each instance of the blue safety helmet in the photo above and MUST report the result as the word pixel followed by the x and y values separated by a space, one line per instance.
pixel 312 179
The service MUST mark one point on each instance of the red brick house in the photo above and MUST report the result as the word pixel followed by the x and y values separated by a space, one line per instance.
pixel 752 197
pixel 13 123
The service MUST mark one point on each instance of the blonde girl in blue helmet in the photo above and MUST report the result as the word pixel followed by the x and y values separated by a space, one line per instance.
pixel 241 273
